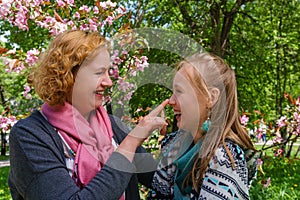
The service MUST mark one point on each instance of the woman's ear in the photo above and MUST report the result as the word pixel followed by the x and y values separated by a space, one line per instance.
pixel 214 96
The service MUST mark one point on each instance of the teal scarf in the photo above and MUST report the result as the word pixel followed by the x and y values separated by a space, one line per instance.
pixel 184 166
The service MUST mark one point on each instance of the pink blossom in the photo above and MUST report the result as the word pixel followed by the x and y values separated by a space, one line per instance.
pixel 259 162
pixel 277 139
pixel 77 15
pixel 109 20
pixel 26 92
pixel 297 117
pixel 7 122
pixel 259 135
pixel 35 14
pixel 278 153
pixel 133 72
pixel 123 85
pixel 70 2
pixel 268 182
pixel 58 28
pixel 96 10
pixel 19 67
pixel 32 56
pixel 127 97
pixel 298 129
pixel 244 120
pixel 111 4
pixel 85 8
pixel 84 27
pixel 10 63
pixel 281 122
pixel 5 9
pixel 12 51
pixel 103 5
pixel 124 52
pixel 21 17
pixel 70 23
pixel 141 63
pixel 61 3
pixel 93 25
pixel 298 103
pixel 114 73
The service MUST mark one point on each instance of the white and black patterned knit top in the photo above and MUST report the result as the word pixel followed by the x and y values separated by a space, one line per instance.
pixel 220 181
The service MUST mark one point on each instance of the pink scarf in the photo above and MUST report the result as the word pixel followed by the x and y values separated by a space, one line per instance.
pixel 92 142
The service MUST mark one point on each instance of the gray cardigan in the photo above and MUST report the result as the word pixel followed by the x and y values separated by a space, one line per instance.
pixel 38 169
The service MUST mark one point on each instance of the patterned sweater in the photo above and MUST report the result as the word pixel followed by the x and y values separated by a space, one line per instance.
pixel 220 181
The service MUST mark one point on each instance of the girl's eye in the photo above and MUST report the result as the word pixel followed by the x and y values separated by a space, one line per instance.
pixel 177 91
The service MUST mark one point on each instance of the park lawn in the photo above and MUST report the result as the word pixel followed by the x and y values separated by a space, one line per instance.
pixel 284 175
pixel 285 180
pixel 4 190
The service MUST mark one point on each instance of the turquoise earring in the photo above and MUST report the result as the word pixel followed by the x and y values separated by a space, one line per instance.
pixel 206 125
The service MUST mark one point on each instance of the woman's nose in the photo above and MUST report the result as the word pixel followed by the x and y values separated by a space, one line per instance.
pixel 107 82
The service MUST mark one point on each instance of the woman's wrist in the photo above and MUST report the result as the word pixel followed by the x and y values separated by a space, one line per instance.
pixel 128 146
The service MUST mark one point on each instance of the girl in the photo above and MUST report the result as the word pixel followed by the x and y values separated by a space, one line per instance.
pixel 211 155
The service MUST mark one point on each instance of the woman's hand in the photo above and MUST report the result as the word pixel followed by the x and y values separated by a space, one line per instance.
pixel 143 130
pixel 150 122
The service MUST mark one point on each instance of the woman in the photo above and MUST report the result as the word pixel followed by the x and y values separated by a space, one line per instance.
pixel 209 156
pixel 69 149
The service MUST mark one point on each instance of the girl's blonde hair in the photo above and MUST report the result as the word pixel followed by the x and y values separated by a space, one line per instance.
pixel 210 71
pixel 54 75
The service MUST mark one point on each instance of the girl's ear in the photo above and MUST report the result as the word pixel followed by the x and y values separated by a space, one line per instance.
pixel 214 96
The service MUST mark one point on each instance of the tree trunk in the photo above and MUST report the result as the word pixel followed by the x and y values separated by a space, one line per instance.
pixel 297 152
pixel 3 144
pixel 3 141
pixel 221 39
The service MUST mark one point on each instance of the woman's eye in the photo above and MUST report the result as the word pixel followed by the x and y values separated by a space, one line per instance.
pixel 100 72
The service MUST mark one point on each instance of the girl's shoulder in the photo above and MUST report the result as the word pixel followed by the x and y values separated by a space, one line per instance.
pixel 169 138
pixel 236 153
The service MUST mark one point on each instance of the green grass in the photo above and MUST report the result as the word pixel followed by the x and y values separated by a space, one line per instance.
pixel 3 157
pixel 269 152
pixel 4 190
pixel 285 180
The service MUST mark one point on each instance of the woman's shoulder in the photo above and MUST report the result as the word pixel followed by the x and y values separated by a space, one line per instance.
pixel 32 119
pixel 35 124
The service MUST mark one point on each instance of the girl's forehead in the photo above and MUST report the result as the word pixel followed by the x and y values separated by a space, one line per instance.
pixel 185 71
pixel 181 79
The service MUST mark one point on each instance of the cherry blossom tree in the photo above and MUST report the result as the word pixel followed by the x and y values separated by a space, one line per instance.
pixel 54 17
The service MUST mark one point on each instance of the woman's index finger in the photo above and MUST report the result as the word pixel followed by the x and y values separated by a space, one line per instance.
pixel 159 108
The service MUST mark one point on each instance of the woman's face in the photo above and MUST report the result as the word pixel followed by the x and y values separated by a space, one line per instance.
pixel 91 81
pixel 190 108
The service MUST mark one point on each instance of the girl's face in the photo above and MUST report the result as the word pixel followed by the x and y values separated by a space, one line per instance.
pixel 190 107
pixel 91 81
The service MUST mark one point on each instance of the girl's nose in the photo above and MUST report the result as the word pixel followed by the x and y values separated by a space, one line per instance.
pixel 172 100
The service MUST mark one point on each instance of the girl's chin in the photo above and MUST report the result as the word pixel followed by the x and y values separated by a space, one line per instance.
pixel 178 124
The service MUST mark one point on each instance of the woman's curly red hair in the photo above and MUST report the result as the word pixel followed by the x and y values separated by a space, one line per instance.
pixel 53 77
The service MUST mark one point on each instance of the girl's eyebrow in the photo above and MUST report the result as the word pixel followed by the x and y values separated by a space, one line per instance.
pixel 177 85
